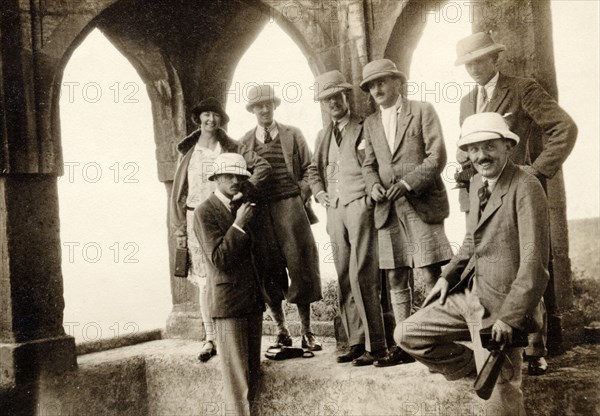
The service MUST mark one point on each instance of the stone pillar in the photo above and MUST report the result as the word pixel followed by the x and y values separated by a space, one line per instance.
pixel 32 338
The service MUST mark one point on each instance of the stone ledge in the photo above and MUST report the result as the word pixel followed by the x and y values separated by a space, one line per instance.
pixel 161 378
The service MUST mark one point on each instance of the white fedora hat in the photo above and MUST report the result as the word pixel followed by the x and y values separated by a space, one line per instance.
pixel 379 68
pixel 484 126
pixel 258 94
pixel 229 163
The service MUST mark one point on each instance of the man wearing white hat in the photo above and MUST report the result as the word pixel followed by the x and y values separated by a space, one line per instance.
pixel 547 133
pixel 404 158
pixel 499 275
pixel 337 183
pixel 285 239
pixel 235 292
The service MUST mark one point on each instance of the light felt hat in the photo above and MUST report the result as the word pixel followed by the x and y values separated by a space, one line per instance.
pixel 231 163
pixel 475 46
pixel 484 126
pixel 379 68
pixel 331 83
pixel 258 94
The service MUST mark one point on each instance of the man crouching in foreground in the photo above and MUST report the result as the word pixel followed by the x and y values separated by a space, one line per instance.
pixel 235 293
pixel 499 275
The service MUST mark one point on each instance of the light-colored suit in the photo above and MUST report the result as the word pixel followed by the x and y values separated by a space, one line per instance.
pixel 418 158
pixel 350 227
pixel 500 273
pixel 284 236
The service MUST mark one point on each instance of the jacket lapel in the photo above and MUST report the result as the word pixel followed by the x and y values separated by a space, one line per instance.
pixel 287 145
pixel 404 119
pixel 378 138
pixel 324 150
pixel 354 129
pixel 225 217
pixel 499 191
pixel 500 93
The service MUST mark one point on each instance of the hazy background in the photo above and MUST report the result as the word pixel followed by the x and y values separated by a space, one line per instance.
pixel 113 208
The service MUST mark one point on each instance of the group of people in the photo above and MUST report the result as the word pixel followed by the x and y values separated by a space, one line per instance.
pixel 242 208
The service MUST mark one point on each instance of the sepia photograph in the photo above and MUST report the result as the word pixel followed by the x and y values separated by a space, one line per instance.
pixel 299 207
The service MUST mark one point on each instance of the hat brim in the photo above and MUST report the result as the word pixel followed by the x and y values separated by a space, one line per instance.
pixel 364 85
pixel 333 91
pixel 203 109
pixel 482 136
pixel 471 56
pixel 231 170
pixel 274 100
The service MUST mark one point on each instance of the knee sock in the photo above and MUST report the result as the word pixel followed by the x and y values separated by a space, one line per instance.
pixel 401 304
pixel 279 318
pixel 304 313
pixel 206 316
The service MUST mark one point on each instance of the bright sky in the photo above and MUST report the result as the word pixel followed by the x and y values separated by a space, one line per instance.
pixel 113 201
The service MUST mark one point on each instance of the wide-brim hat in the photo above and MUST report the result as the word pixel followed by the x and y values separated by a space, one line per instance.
pixel 258 94
pixel 484 126
pixel 475 46
pixel 379 68
pixel 229 163
pixel 209 104
pixel 331 83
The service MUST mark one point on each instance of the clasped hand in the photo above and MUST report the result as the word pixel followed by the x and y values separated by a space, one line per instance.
pixel 379 193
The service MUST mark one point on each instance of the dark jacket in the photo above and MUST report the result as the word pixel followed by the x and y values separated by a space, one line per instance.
pixel 234 289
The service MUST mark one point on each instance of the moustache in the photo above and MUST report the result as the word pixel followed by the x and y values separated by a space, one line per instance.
pixel 481 162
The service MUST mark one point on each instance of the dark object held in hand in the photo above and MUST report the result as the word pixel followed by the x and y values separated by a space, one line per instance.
pixel 463 176
pixel 487 377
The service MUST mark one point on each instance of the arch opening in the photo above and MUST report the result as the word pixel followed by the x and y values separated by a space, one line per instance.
pixel 112 209
pixel 274 58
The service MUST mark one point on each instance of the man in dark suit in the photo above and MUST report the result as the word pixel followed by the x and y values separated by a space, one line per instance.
pixel 235 291
pixel 546 131
pixel 404 158
pixel 284 217
pixel 336 181
pixel 498 276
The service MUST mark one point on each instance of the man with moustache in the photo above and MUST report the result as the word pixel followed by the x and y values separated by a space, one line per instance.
pixel 336 181
pixel 498 276
pixel 235 290
pixel 404 158
pixel 285 239
pixel 546 131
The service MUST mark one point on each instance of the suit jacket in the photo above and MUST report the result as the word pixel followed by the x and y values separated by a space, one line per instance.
pixel 418 158
pixel 177 210
pixel 546 131
pixel 506 249
pixel 297 157
pixel 234 288
pixel 318 168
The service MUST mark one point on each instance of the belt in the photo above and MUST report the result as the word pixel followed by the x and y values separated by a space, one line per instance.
pixel 189 208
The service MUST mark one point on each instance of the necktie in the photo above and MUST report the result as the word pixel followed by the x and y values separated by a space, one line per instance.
pixel 337 133
pixel 482 100
pixel 268 138
pixel 484 195
pixel 234 206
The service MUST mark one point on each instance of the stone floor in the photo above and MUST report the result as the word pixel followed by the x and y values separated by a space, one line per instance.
pixel 164 377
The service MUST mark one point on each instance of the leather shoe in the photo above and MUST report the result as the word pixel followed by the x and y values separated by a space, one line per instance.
pixel 537 366
pixel 395 356
pixel 355 352
pixel 368 358
pixel 208 350
pixel 309 342
pixel 283 339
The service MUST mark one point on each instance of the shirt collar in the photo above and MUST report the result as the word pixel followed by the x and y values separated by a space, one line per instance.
pixel 226 201
pixel 260 131
pixel 343 121
pixel 491 84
